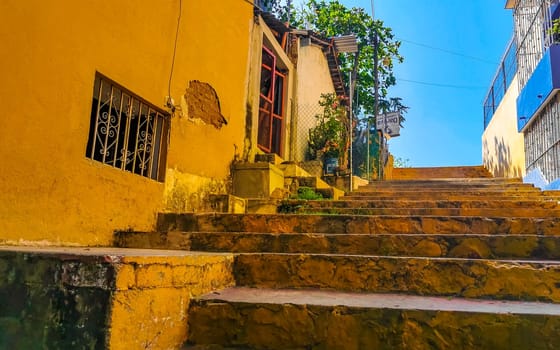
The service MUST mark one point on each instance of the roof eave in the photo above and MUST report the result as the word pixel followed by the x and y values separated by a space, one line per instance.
pixel 510 4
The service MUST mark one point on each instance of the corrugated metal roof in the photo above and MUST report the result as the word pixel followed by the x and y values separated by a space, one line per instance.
pixel 346 43
pixel 274 23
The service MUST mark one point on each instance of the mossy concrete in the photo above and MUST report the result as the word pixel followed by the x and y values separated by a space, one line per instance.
pixel 54 302
pixel 102 298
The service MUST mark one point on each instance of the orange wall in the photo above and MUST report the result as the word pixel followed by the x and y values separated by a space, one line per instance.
pixel 50 52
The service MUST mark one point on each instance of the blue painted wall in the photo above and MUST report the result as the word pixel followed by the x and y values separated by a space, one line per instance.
pixel 545 79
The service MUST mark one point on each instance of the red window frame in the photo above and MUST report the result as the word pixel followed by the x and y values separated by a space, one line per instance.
pixel 271 105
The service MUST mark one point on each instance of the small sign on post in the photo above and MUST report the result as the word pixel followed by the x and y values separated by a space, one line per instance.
pixel 389 124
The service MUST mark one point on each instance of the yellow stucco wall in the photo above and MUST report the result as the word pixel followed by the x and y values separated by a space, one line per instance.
pixel 50 53
pixel 503 152
pixel 313 79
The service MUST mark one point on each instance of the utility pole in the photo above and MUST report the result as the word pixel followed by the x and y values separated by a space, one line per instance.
pixel 376 95
pixel 368 127
pixel 376 101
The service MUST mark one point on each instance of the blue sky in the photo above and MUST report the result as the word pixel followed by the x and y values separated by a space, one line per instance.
pixel 444 125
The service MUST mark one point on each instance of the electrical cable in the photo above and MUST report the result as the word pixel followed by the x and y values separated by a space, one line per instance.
pixel 254 4
pixel 449 51
pixel 443 85
pixel 174 53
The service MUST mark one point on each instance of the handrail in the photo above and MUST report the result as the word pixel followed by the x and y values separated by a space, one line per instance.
pixel 501 81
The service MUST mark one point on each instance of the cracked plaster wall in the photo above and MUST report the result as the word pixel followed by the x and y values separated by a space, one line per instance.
pixel 51 192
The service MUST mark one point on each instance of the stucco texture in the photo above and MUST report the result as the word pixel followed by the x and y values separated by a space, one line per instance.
pixel 313 80
pixel 50 53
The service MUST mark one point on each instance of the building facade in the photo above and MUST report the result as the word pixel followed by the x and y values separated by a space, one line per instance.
pixel 503 148
pixel 538 106
pixel 118 112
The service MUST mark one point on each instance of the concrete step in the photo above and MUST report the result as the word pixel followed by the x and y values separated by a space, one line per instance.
pixel 448 182
pixel 310 181
pixel 411 203
pixel 293 223
pixel 440 172
pixel 495 212
pixel 456 246
pixel 316 183
pixel 487 279
pixel 451 197
pixel 431 186
pixel 455 194
pixel 477 189
pixel 244 318
pixel 102 298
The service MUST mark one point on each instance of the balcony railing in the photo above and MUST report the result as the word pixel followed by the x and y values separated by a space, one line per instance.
pixel 533 22
pixel 500 83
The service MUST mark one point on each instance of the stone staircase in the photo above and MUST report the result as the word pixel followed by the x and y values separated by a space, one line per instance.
pixel 263 184
pixel 434 263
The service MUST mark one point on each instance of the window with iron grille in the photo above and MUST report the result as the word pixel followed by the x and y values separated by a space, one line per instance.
pixel 127 132
pixel 542 141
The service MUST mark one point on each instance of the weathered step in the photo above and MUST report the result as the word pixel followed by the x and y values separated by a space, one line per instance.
pixel 503 212
pixel 454 179
pixel 440 172
pixel 488 279
pixel 448 187
pixel 402 203
pixel 457 246
pixel 490 182
pixel 467 191
pixel 102 298
pixel 244 318
pixel 289 223
pixel 450 195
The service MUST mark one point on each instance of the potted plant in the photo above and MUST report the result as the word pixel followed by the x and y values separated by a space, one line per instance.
pixel 327 140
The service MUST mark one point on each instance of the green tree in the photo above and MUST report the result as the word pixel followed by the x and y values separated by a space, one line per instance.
pixel 399 162
pixel 332 18
pixel 377 46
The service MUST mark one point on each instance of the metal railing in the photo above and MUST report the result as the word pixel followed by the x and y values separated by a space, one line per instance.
pixel 503 78
pixel 127 132
pixel 542 141
pixel 533 23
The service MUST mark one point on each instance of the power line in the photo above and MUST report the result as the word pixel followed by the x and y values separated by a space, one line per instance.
pixel 253 2
pixel 474 58
pixel 174 49
pixel 466 87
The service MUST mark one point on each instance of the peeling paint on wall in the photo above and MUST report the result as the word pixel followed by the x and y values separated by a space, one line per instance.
pixel 204 104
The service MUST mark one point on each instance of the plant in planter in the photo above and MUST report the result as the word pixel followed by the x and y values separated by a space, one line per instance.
pixel 328 140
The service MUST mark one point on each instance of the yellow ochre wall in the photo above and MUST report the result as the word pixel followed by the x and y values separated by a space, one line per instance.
pixel 313 79
pixel 50 192
pixel 503 150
